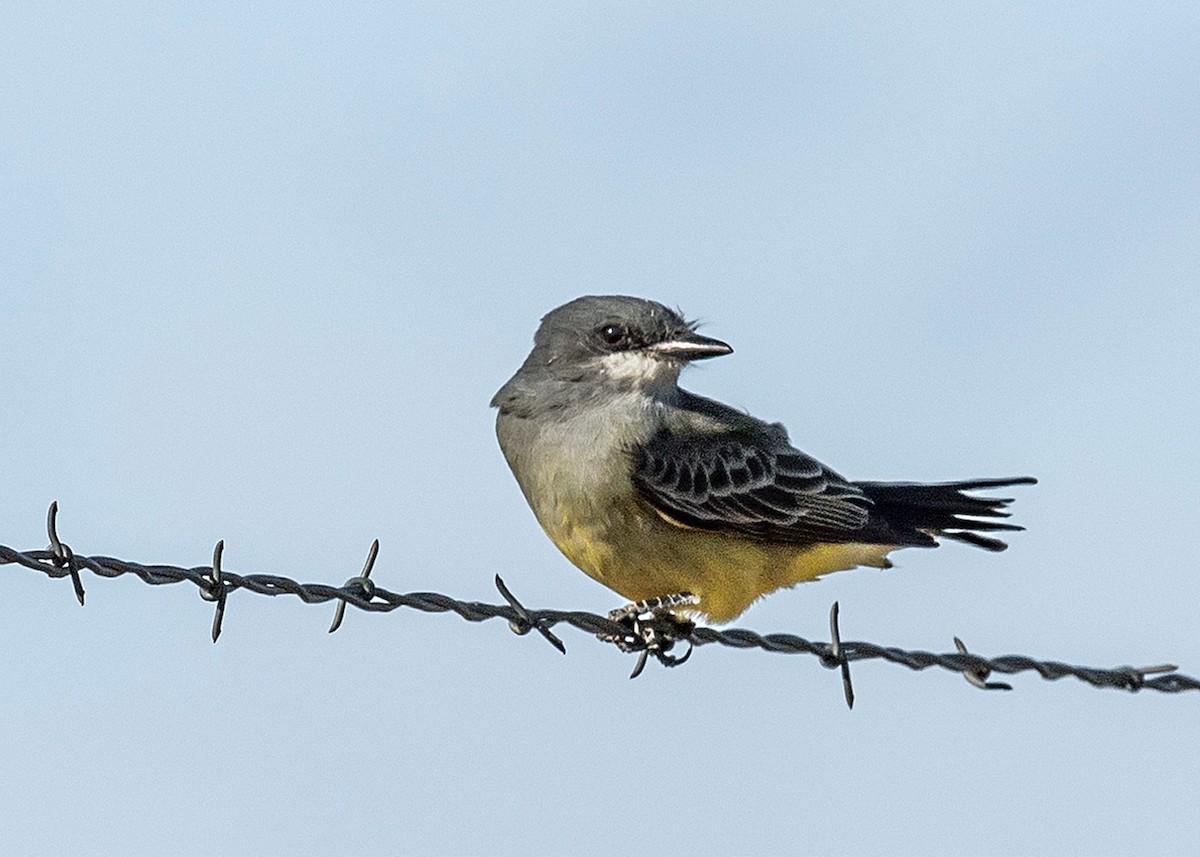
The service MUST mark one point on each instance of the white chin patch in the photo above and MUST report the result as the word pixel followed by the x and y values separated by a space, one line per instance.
pixel 638 367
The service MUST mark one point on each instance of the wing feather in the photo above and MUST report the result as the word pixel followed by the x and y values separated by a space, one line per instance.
pixel 751 484
pixel 713 468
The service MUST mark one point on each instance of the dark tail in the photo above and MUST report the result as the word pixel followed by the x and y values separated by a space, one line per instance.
pixel 919 511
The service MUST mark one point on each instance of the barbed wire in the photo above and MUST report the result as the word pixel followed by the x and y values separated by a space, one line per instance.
pixel 645 629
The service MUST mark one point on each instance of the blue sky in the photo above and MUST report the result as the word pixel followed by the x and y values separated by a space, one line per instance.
pixel 262 267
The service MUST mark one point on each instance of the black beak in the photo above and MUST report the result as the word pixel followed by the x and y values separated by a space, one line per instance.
pixel 690 346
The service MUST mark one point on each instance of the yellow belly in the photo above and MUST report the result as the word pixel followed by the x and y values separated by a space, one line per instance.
pixel 641 556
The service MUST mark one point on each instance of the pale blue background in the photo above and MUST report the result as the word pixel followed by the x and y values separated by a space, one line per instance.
pixel 263 267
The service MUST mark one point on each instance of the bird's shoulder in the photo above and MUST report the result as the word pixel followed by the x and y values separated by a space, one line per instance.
pixel 698 420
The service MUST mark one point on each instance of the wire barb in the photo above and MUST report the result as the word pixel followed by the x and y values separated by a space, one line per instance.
pixel 653 633
pixel 214 589
pixel 523 623
pixel 978 671
pixel 363 583
pixel 63 556
pixel 836 657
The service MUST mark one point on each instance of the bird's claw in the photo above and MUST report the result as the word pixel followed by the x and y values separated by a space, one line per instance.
pixel 650 627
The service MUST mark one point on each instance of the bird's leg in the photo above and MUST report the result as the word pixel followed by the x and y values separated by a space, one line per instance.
pixel 652 628
pixel 654 605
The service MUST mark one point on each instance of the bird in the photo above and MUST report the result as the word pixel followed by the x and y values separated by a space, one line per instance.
pixel 670 498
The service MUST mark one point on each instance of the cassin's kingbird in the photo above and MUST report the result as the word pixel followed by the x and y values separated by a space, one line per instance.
pixel 657 492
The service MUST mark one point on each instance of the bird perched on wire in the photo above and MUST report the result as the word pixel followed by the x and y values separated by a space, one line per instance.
pixel 675 500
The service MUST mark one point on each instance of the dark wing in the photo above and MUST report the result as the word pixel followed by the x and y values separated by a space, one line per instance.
pixel 753 483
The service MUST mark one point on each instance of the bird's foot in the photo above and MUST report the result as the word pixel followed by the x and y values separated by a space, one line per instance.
pixel 650 627
pixel 661 604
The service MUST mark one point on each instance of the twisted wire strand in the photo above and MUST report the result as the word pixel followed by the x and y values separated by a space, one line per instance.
pixel 649 635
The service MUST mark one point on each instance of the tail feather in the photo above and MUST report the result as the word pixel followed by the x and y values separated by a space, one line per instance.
pixel 918 511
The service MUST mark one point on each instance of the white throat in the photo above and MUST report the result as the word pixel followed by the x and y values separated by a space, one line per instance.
pixel 640 369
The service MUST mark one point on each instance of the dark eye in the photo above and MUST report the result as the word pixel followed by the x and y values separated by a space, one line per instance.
pixel 614 335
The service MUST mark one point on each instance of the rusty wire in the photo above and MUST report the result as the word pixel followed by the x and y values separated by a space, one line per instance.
pixel 646 631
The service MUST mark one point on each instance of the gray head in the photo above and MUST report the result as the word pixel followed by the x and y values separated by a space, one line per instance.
pixel 609 342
